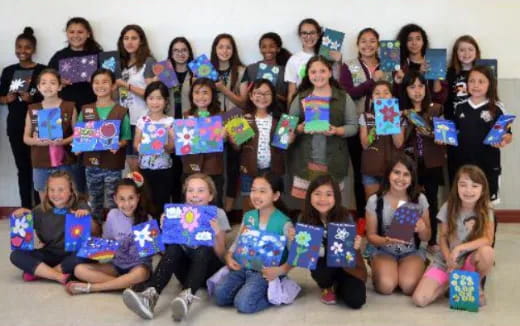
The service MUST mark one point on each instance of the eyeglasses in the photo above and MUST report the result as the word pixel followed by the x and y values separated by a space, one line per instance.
pixel 260 94
pixel 313 33
pixel 179 51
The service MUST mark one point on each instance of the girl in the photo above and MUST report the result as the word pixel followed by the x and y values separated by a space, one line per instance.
pixel 419 144
pixel 317 152
pixel 137 63
pixel 246 289
pixel 322 206
pixel 17 100
pixel 156 168
pixel 48 156
pixel 358 77
pixel 377 150
pixel 257 156
pixel 127 268
pixel 204 103
pixel 103 168
pixel 414 43
pixel 466 235
pixel 180 54
pixel 49 259
pixel 81 42
pixel 274 54
pixel 396 262
pixel 474 119
pixel 192 266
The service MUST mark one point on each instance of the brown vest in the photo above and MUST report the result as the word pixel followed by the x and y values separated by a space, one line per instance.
pixel 248 154
pixel 40 157
pixel 105 159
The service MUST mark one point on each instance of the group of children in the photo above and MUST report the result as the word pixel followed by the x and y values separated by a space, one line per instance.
pixel 388 170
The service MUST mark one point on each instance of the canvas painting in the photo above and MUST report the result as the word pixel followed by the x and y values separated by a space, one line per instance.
pixel 465 290
pixel 189 225
pixel 77 231
pixel 340 245
pixel 78 69
pixel 101 135
pixel 501 126
pixel 147 238
pixel 317 113
pixel 419 122
pixel 257 249
pixel 305 249
pixel 331 40
pixel 99 249
pixel 387 116
pixel 490 63
pixel 49 124
pixel 154 137
pixel 404 221
pixel 436 59
pixel 240 130
pixel 164 70
pixel 198 135
pixel 110 60
pixel 21 81
pixel 389 55
pixel 285 126
pixel 22 232
pixel 269 72
pixel 445 131
pixel 202 67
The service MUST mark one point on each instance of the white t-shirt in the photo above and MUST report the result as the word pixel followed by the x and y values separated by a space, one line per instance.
pixel 159 161
pixel 263 155
pixel 136 77
pixel 295 67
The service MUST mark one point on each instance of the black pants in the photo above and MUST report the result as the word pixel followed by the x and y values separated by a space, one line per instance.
pixel 232 171
pixel 29 260
pixel 160 184
pixel 355 149
pixel 22 159
pixel 430 178
pixel 192 267
pixel 349 289
pixel 176 178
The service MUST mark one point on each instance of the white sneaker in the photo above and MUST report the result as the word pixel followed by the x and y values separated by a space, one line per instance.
pixel 141 303
pixel 181 304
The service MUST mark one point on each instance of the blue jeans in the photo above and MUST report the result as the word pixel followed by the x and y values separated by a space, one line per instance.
pixel 40 176
pixel 246 289
pixel 101 186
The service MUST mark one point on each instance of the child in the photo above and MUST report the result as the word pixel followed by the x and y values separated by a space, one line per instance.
pixel 156 168
pixel 414 43
pixel 49 259
pixel 192 266
pixel 474 119
pixel 48 156
pixel 103 168
pixel 204 103
pixel 322 206
pixel 137 63
pixel 466 235
pixel 396 262
pixel 127 268
pixel 377 150
pixel 246 289
pixel 257 156
pixel 17 102
pixel 429 156
pixel 274 54
pixel 315 153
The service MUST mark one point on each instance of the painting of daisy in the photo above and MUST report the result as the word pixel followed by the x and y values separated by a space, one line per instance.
pixel 340 245
pixel 147 238
pixel 202 67
pixel 22 232
pixel 189 224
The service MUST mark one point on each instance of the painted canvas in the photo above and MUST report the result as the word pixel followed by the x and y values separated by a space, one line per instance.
pixel 202 67
pixel 198 135
pixel 501 126
pixel 77 231
pixel 436 59
pixel 164 70
pixel 188 224
pixel 240 130
pixel 49 124
pixel 269 72
pixel 98 249
pixel 110 60
pixel 317 113
pixel 78 69
pixel 403 222
pixel 257 249
pixel 331 40
pixel 390 55
pixel 21 81
pixel 154 137
pixel 340 245
pixel 464 290
pixel 147 238
pixel 445 131
pixel 101 135
pixel 285 126
pixel 305 249
pixel 490 63
pixel 22 232
pixel 388 117
pixel 418 121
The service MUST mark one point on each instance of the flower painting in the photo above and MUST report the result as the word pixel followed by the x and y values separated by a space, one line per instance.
pixel 77 231
pixel 22 232
pixel 164 70
pixel 189 224
pixel 100 135
pixel 198 135
pixel 257 249
pixel 464 290
pixel 390 55
pixel 387 116
pixel 154 137
pixel 147 238
pixel 269 72
pixel 331 40
pixel 403 222
pixel 202 67
pixel 340 245
pixel 445 131
pixel 285 126
pixel 305 248
pixel 110 60
pixel 49 124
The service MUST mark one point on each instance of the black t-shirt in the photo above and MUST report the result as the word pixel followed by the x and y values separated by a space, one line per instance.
pixel 18 108
pixel 457 91
pixel 79 93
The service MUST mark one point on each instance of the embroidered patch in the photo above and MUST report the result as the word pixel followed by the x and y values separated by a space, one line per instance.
pixel 195 167
pixel 94 160
pixel 485 115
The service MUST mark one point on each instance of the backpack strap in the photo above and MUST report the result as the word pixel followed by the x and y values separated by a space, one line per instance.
pixel 379 213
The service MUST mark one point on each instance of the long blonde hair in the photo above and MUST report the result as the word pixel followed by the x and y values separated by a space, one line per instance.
pixel 74 197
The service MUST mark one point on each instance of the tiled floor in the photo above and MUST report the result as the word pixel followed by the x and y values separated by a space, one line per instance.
pixel 44 303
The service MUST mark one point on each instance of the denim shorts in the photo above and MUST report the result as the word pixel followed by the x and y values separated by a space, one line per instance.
pixel 371 180
pixel 40 175
pixel 382 251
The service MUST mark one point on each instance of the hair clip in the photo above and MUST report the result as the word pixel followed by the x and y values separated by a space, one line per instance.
pixel 137 178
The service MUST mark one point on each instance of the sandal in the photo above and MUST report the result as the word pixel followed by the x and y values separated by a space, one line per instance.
pixel 73 288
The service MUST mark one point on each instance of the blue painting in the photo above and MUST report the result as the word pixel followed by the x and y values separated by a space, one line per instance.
pixel 49 124
pixel 403 222
pixel 110 60
pixel 202 67
pixel 269 72
pixel 258 249
pixel 198 135
pixel 331 40
pixel 499 129
pixel 100 135
pixel 340 245
pixel 445 131
pixel 77 231
pixel 99 249
pixel 153 138
pixel 490 63
pixel 317 113
pixel 78 69
pixel 389 55
pixel 305 249
pixel 419 122
pixel 164 70
pixel 465 290
pixel 285 126
pixel 436 59
pixel 22 232
pixel 147 238
pixel 188 224
pixel 387 116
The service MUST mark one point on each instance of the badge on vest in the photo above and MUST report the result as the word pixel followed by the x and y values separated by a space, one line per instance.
pixel 93 160
pixel 195 167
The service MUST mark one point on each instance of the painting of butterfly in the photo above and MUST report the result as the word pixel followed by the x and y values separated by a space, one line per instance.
pixel 164 70
pixel 317 113
pixel 258 249
pixel 77 231
pixel 202 67
pixel 100 135
pixel 21 81
pixel 285 126
pixel 331 40
pixel 110 60
pixel 403 222
pixel 189 224
pixel 436 59
pixel 387 116
pixel 340 245
pixel 78 69
pixel 99 249
pixel 445 131
pixel 147 238
pixel 269 72
pixel 464 290
pixel 154 137
pixel 305 249
pixel 22 232
pixel 499 129
pixel 49 124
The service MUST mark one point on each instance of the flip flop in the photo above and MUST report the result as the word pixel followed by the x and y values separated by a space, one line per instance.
pixel 74 288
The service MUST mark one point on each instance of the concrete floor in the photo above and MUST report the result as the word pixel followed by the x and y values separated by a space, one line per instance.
pixel 44 303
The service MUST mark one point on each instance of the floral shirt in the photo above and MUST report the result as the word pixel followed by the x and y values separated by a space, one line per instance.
pixel 153 161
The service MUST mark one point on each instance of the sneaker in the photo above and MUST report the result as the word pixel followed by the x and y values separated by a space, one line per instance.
pixel 29 277
pixel 181 304
pixel 141 303
pixel 328 296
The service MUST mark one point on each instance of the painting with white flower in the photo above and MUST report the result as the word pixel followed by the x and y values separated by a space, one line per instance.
pixel 285 126
pixel 332 40
pixel 340 245
pixel 78 69
pixel 100 135
pixel 269 72
pixel 464 290
pixel 147 238
pixel 189 224
pixel 305 248
pixel 110 60
pixel 154 137
pixel 198 135
pixel 445 131
pixel 21 81
pixel 390 55
pixel 22 232
pixel 257 249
